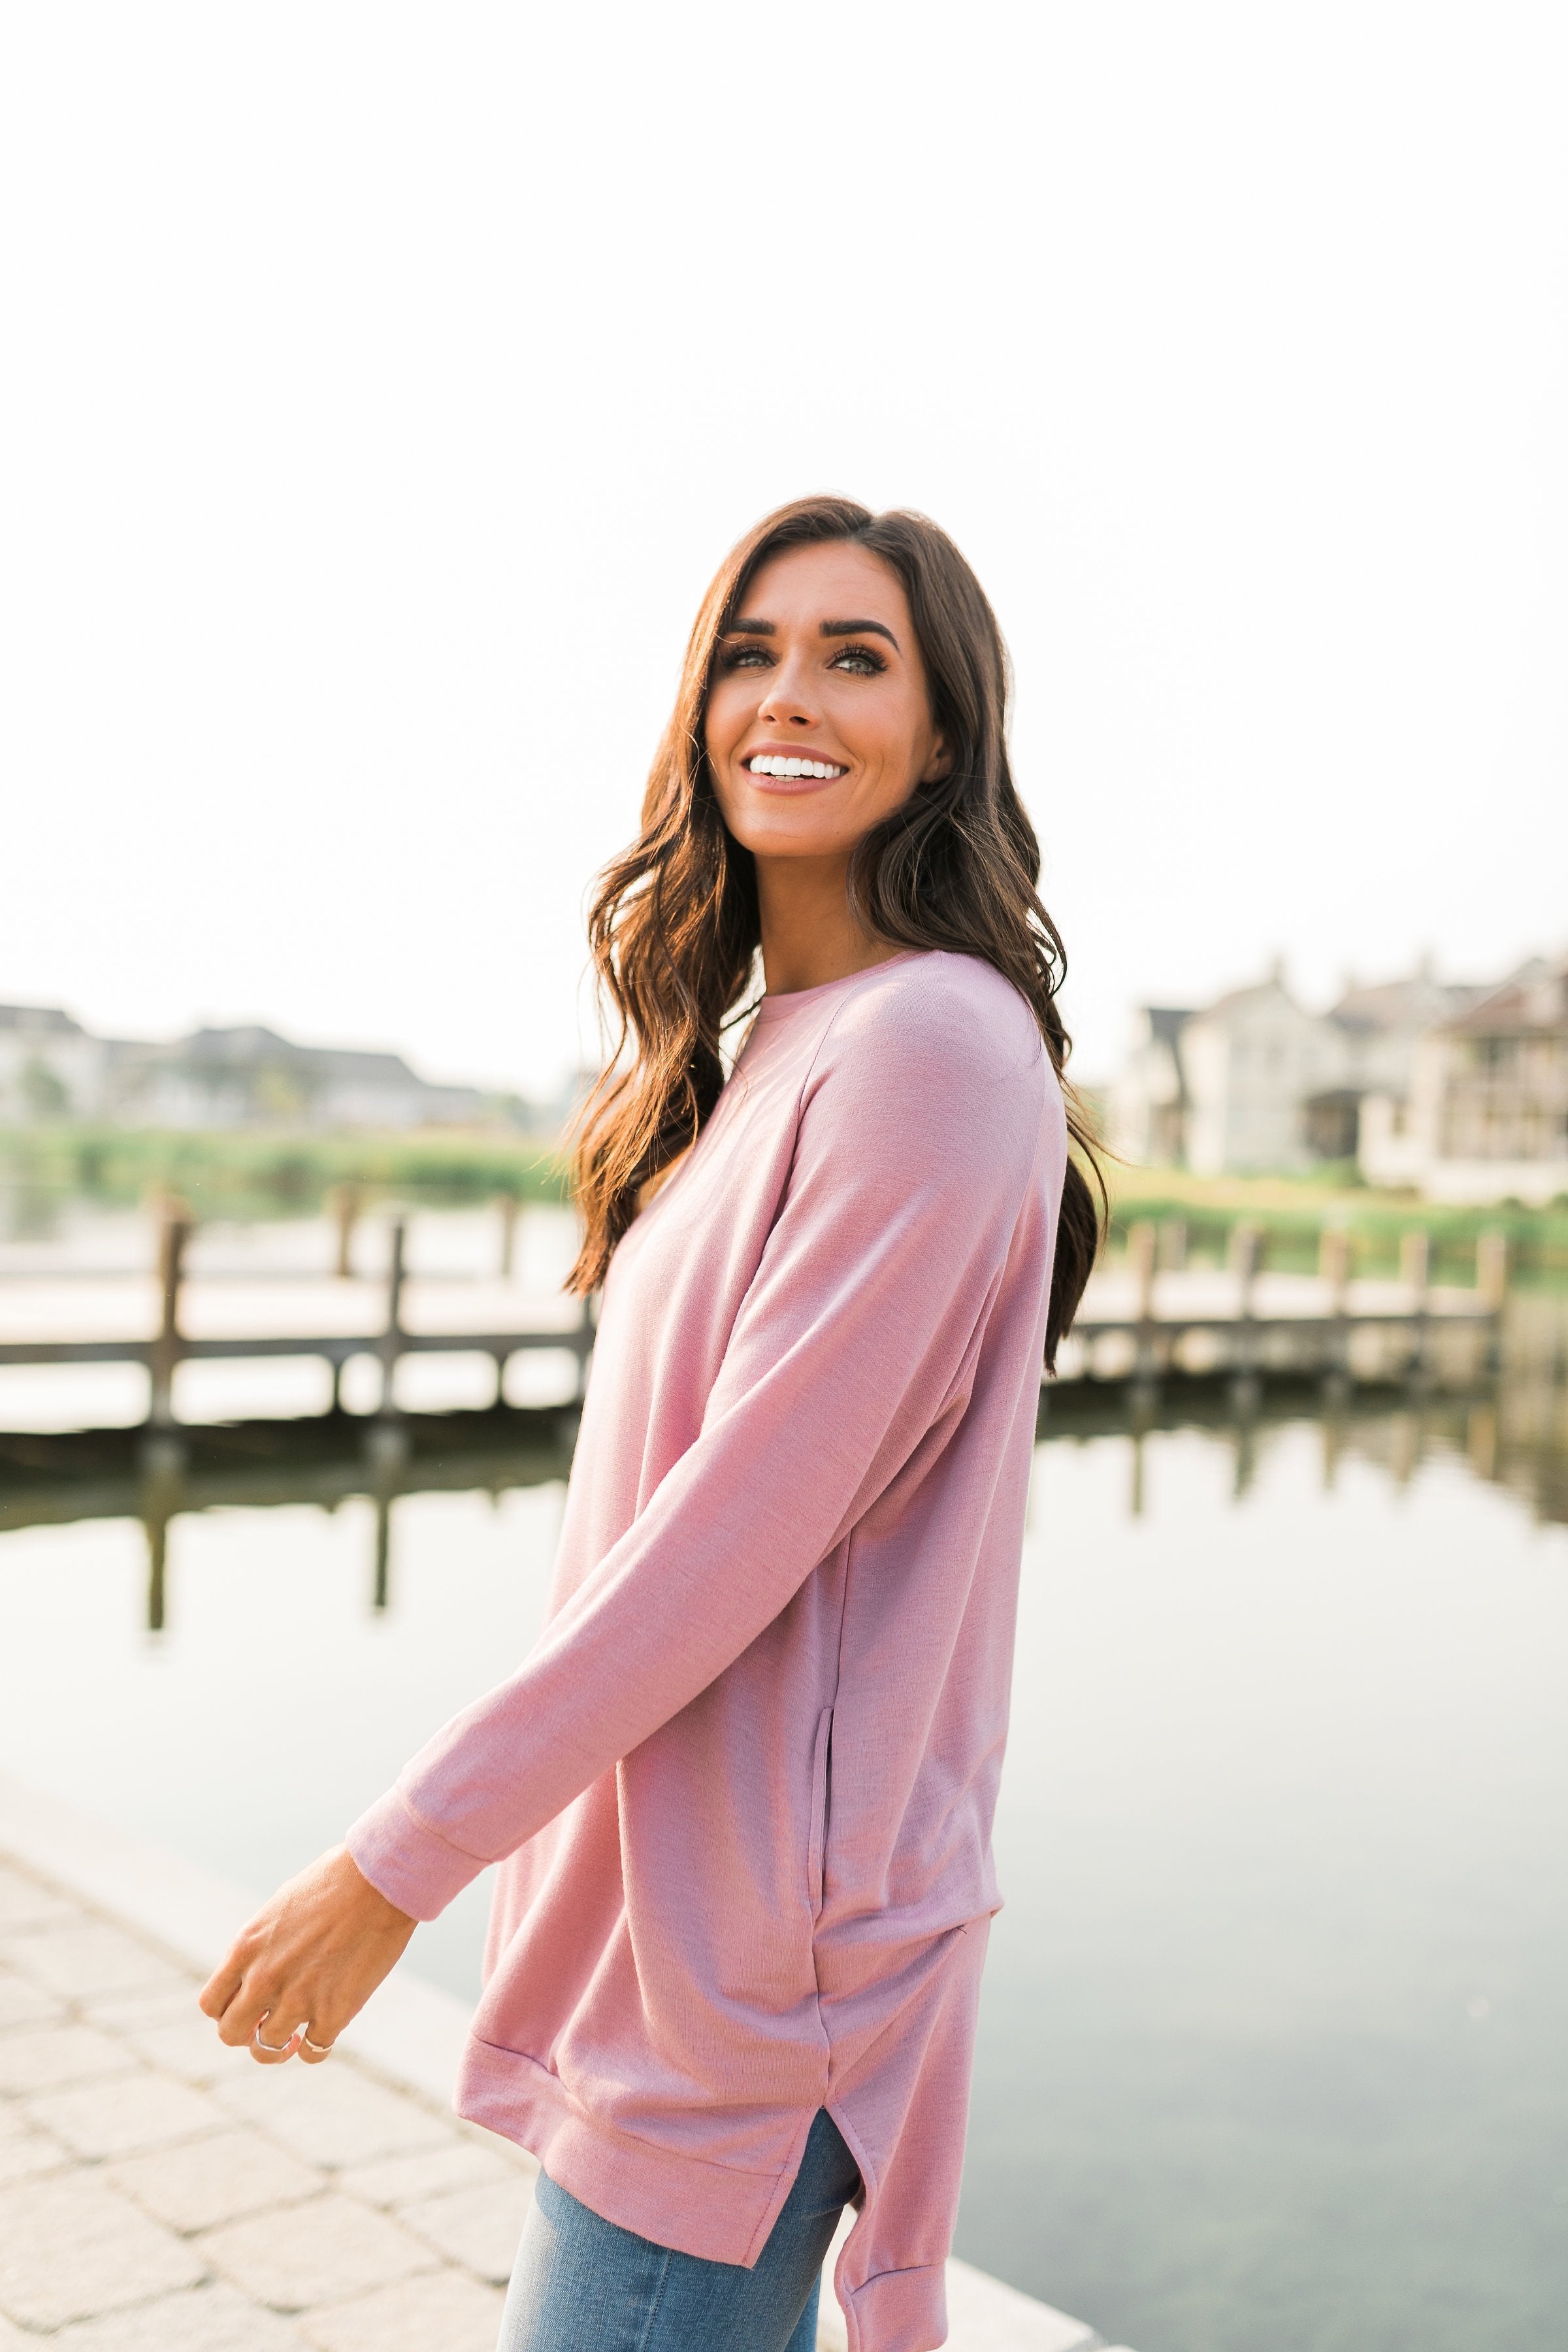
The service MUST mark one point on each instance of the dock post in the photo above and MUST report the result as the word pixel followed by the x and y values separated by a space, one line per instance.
pixel 390 1349
pixel 1142 1249
pixel 1246 1258
pixel 1415 1272
pixel 158 1503
pixel 582 1342
pixel 1491 1287
pixel 507 1207
pixel 164 1354
pixel 343 1206
pixel 1172 1245
pixel 1334 1273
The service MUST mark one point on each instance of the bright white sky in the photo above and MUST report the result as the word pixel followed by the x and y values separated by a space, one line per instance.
pixel 383 383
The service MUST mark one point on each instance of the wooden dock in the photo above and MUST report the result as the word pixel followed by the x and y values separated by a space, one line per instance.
pixel 1147 1319
pixel 193 1321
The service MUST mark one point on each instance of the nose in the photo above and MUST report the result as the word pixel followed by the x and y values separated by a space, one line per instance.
pixel 787 701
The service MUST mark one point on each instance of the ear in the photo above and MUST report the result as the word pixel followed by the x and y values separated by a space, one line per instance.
pixel 939 762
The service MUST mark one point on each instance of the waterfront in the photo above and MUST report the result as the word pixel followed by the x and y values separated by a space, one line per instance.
pixel 1270 2028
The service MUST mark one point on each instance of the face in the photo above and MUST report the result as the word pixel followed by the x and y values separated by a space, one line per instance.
pixel 819 721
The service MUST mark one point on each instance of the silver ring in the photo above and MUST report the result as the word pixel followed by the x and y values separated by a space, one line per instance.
pixel 322 2049
pixel 273 2050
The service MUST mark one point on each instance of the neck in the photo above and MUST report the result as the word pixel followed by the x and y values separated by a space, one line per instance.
pixel 810 932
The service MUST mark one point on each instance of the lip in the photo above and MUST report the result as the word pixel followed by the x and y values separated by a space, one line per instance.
pixel 786 784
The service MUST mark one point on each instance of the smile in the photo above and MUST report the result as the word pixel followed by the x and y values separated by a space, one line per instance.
pixel 768 763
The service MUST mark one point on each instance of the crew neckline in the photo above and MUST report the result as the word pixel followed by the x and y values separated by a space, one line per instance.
pixel 787 1000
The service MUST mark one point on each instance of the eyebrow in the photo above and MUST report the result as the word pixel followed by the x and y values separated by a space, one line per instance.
pixel 825 629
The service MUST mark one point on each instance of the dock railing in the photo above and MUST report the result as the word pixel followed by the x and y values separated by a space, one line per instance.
pixel 1149 1315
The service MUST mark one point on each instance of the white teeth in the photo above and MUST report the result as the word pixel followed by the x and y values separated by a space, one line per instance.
pixel 772 763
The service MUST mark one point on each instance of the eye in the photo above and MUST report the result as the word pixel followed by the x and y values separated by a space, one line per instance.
pixel 860 661
pixel 745 656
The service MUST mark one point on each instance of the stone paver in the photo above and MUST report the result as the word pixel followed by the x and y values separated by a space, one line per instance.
pixel 26 2154
pixel 205 2319
pixel 443 2312
pixel 205 2181
pixel 329 2115
pixel 477 2227
pixel 139 2156
pixel 70 2248
pixel 91 1959
pixel 25 1904
pixel 125 2114
pixel 59 2054
pixel 24 2003
pixel 135 2013
pixel 433 2172
pixel 319 2253
pixel 188 2046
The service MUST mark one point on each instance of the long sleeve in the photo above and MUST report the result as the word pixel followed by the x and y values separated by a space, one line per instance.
pixel 915 1146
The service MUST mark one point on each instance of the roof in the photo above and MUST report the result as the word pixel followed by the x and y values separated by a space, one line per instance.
pixel 1532 1003
pixel 40 1019
pixel 253 1046
pixel 1419 1002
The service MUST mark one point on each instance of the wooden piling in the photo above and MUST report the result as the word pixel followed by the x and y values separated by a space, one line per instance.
pixel 1334 1259
pixel 1491 1269
pixel 507 1207
pixel 1491 1283
pixel 163 1357
pixel 1415 1272
pixel 1173 1245
pixel 1246 1255
pixel 390 1344
pixel 343 1206
pixel 1142 1249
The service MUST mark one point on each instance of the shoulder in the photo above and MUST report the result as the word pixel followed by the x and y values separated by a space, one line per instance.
pixel 940 1040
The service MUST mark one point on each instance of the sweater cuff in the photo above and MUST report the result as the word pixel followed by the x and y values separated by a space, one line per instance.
pixel 406 1860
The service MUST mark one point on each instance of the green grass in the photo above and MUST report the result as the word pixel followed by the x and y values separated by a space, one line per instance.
pixel 262 1172
pixel 1293 1211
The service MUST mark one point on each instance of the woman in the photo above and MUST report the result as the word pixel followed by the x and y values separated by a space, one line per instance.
pixel 742 1788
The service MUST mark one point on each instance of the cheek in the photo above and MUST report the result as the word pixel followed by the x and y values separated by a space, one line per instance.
pixel 879 735
pixel 730 707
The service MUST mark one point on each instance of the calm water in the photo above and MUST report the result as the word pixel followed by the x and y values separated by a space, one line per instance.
pixel 1272 2051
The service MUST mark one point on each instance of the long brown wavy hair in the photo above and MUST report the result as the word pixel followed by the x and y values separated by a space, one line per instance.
pixel 674 927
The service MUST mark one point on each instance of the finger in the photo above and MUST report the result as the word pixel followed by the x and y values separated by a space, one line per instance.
pixel 333 2010
pixel 272 2047
pixel 244 2012
pixel 221 1985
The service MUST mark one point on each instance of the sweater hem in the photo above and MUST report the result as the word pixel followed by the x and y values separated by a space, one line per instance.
pixel 898 2311
pixel 714 2211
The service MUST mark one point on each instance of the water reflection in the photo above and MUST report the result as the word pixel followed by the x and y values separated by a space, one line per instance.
pixel 1514 1434
pixel 1277 1982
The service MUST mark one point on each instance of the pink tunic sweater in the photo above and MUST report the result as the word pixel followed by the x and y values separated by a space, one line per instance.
pixel 742 1787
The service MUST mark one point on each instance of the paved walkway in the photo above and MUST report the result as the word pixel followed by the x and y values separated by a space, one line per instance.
pixel 160 2193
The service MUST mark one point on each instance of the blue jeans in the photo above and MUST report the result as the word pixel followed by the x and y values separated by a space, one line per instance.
pixel 580 2285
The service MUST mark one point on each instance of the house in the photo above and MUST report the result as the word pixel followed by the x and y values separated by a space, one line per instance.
pixel 1148 1103
pixel 251 1077
pixel 1225 1089
pixel 1486 1114
pixel 1256 1081
pixel 1381 1028
pixel 52 1068
pixel 49 1066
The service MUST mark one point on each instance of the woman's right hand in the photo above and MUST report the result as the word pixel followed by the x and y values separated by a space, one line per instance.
pixel 307 1963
